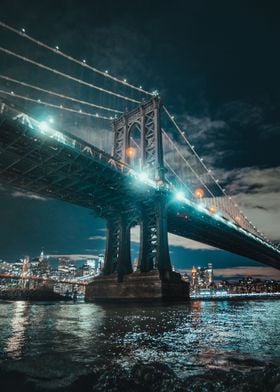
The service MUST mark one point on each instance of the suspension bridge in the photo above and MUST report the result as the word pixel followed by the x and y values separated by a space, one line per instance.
pixel 151 175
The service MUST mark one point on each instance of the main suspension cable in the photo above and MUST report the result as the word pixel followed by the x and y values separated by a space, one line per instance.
pixel 84 64
pixel 57 94
pixel 60 107
pixel 206 169
pixel 187 163
pixel 55 71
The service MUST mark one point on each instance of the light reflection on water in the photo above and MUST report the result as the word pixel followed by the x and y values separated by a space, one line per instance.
pixel 60 341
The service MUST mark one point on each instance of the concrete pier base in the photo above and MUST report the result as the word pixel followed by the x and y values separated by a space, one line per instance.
pixel 138 287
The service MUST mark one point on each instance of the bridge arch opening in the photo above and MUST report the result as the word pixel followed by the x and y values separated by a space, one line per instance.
pixel 135 247
pixel 133 151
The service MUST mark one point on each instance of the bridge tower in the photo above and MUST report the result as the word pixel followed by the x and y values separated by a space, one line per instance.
pixel 154 278
pixel 154 252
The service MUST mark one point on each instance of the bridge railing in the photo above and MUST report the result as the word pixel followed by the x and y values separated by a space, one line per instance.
pixel 12 113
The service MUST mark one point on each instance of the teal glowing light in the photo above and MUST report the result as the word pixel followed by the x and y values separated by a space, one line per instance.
pixel 143 176
pixel 44 126
pixel 180 196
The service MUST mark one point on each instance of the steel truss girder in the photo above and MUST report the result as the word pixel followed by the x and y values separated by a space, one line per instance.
pixel 80 174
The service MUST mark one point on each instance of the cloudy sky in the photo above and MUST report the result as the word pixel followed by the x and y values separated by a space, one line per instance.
pixel 216 65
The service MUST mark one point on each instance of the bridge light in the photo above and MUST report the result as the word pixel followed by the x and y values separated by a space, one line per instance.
pixel 44 126
pixel 143 176
pixel 180 196
pixel 130 152
pixel 199 193
pixel 213 209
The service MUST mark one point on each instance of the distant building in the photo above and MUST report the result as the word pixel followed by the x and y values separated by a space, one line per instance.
pixel 194 276
pixel 209 275
pixel 63 262
pixel 202 276
pixel 43 265
pixel 26 267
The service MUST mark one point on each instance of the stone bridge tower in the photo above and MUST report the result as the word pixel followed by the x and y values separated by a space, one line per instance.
pixel 154 279
pixel 154 253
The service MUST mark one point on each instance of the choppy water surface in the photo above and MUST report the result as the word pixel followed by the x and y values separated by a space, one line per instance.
pixel 57 342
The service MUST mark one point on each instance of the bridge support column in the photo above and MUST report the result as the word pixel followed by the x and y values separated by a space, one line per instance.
pixel 124 259
pixel 148 241
pixel 154 251
pixel 112 245
pixel 117 255
pixel 162 255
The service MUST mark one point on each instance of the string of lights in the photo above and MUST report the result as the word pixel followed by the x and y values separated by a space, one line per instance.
pixel 60 107
pixel 187 163
pixel 208 172
pixel 230 205
pixel 57 51
pixel 177 176
pixel 58 94
pixel 55 71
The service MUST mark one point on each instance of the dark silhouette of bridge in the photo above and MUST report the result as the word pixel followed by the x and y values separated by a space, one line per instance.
pixel 124 189
pixel 54 164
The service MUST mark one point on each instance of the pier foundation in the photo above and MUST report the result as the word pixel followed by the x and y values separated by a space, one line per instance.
pixel 139 287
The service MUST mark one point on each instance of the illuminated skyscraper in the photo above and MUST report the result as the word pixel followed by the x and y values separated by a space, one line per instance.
pixel 194 276
pixel 209 276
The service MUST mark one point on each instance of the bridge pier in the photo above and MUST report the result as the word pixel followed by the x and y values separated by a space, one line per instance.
pixel 155 278
pixel 138 287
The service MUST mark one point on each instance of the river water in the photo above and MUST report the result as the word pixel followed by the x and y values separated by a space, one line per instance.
pixel 55 343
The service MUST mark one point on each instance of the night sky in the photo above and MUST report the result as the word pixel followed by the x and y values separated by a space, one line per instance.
pixel 216 65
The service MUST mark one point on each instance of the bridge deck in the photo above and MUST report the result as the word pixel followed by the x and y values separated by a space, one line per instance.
pixel 57 165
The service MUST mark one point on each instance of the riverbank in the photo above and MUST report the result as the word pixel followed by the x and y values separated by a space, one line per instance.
pixel 153 377
pixel 43 293
pixel 237 297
